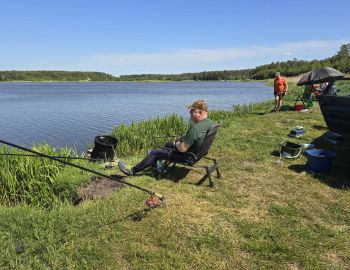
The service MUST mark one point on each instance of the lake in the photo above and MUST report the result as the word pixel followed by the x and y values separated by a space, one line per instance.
pixel 72 113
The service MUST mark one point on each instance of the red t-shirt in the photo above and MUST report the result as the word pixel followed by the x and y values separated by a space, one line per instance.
pixel 279 84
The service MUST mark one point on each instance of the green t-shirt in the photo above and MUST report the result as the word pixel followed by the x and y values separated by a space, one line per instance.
pixel 195 134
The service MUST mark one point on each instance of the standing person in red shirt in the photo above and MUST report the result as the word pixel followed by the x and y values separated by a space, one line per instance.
pixel 280 87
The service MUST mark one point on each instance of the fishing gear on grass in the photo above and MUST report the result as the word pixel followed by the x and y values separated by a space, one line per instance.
pixel 153 201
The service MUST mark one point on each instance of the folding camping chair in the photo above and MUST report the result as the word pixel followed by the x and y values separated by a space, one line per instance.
pixel 306 96
pixel 189 159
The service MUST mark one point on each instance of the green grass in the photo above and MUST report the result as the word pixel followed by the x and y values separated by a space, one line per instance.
pixel 263 215
pixel 344 87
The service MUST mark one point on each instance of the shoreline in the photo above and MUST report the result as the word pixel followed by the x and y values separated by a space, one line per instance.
pixel 141 81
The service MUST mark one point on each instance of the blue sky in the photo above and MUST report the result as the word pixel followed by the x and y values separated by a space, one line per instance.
pixel 163 36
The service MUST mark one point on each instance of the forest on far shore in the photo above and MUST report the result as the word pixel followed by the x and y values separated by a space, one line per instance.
pixel 340 61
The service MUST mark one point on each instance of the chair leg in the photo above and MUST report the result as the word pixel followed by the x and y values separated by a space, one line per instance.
pixel 209 171
pixel 207 175
pixel 218 174
pixel 211 184
pixel 216 166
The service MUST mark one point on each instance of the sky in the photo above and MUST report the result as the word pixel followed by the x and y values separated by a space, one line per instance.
pixel 167 36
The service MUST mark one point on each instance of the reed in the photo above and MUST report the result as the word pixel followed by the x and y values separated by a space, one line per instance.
pixel 145 135
pixel 239 110
pixel 29 180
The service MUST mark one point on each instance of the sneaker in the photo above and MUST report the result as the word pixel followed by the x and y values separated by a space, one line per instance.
pixel 123 169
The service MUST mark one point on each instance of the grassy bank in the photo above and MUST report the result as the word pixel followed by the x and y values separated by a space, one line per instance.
pixel 263 215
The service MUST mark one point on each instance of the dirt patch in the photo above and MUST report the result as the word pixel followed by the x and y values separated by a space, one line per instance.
pixel 98 188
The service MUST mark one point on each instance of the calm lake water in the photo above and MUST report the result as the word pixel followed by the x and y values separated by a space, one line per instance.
pixel 72 114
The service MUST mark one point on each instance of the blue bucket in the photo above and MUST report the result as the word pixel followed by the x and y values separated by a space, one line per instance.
pixel 319 160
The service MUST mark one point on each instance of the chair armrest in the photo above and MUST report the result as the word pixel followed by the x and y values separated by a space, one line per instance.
pixel 168 149
pixel 192 155
pixel 188 154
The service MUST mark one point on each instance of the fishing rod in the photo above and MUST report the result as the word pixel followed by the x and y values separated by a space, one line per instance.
pixel 166 136
pixel 151 202
pixel 29 155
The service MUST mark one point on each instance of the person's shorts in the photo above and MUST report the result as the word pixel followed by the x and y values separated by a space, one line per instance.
pixel 278 94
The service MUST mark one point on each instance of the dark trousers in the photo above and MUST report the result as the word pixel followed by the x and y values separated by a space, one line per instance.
pixel 153 156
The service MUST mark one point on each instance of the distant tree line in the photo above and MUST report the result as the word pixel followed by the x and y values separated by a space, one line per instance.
pixel 243 74
pixel 340 61
pixel 45 75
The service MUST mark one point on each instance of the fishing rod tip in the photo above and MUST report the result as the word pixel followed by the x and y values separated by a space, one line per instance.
pixel 160 196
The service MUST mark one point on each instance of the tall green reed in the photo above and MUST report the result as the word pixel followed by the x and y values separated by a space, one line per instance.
pixel 145 135
pixel 239 110
pixel 29 180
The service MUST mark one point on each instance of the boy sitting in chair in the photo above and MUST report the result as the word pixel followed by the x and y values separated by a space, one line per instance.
pixel 190 142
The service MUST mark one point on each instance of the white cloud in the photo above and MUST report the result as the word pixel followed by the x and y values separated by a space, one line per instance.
pixel 190 60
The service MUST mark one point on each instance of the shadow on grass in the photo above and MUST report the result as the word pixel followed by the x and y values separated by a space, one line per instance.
pixel 174 174
pixel 275 153
pixel 298 168
pixel 136 216
pixel 339 176
pixel 319 127
pixel 178 173
pixel 259 113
